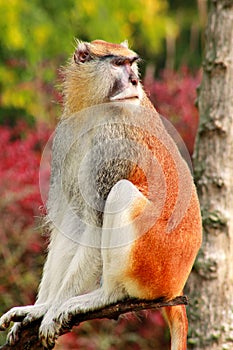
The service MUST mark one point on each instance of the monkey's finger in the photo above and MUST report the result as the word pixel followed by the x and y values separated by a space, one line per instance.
pixel 13 335
pixel 6 319
pixel 4 324
pixel 28 319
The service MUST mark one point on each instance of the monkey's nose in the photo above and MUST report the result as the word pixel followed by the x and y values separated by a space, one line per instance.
pixel 133 79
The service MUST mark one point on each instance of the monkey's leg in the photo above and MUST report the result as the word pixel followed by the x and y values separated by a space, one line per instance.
pixel 178 324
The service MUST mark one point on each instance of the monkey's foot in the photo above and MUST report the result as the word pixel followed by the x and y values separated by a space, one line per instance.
pixel 68 310
pixel 48 333
pixel 52 327
pixel 49 330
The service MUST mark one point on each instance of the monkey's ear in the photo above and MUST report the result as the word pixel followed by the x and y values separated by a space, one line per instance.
pixel 82 53
pixel 125 44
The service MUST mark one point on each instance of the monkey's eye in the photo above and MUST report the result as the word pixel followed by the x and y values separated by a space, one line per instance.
pixel 121 61
pixel 118 62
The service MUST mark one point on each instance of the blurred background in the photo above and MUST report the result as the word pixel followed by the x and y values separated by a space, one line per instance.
pixel 36 39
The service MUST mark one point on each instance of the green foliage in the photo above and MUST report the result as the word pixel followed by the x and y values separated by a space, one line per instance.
pixel 29 39
pixel 142 22
pixel 30 30
pixel 40 29
pixel 10 116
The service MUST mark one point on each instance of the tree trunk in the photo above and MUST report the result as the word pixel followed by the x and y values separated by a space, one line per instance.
pixel 211 284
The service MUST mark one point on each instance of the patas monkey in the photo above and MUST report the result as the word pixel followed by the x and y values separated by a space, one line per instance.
pixel 123 210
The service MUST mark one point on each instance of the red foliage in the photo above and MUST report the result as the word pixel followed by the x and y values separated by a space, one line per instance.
pixel 174 97
pixel 20 156
pixel 143 331
pixel 20 201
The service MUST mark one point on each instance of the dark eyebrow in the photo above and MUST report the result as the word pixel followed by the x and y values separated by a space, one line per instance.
pixel 135 59
pixel 123 58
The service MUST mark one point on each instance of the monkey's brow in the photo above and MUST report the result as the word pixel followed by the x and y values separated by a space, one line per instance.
pixel 123 58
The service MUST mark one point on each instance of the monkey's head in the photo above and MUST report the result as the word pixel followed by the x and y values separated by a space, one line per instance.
pixel 101 72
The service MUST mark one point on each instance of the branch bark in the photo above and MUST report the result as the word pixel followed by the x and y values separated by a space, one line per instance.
pixel 29 334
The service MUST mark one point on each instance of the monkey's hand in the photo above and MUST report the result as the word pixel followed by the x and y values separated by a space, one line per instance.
pixel 25 314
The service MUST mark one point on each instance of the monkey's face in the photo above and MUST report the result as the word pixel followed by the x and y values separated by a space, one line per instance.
pixel 107 72
pixel 126 81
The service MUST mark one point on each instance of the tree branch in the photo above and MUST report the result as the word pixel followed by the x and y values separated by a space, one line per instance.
pixel 29 334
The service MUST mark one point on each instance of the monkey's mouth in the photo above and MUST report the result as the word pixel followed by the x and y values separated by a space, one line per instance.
pixel 127 94
pixel 126 98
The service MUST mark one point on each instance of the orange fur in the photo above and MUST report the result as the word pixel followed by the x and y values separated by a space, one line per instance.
pixel 138 207
pixel 103 48
pixel 160 262
pixel 178 324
